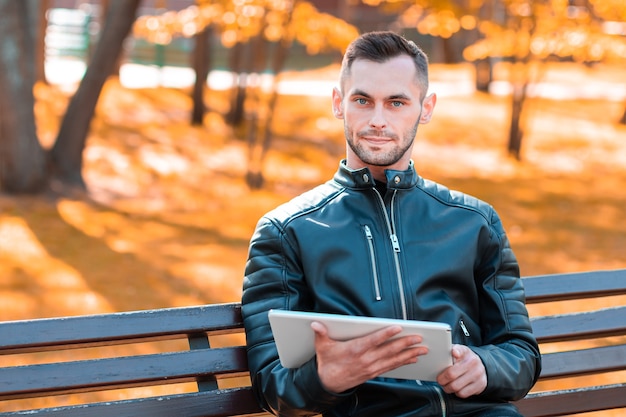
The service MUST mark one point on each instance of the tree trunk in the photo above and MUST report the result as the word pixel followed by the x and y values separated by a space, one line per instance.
pixel 278 64
pixel 484 74
pixel 101 20
pixel 516 132
pixel 255 178
pixel 623 119
pixel 40 43
pixel 449 54
pixel 201 65
pixel 67 153
pixel 254 175
pixel 240 78
pixel 22 158
pixel 280 57
pixel 520 78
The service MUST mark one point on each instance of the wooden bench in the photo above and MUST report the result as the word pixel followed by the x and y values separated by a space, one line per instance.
pixel 203 348
pixel 561 336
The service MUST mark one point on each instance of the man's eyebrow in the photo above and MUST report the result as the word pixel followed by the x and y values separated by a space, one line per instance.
pixel 400 96
pixel 360 93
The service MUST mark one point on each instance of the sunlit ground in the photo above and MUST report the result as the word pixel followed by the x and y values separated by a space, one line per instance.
pixel 168 215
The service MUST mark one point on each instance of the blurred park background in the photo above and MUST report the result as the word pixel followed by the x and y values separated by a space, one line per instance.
pixel 140 141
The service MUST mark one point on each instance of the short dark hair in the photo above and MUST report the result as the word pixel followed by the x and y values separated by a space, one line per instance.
pixel 380 46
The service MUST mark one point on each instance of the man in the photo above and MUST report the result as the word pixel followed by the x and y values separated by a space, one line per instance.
pixel 378 240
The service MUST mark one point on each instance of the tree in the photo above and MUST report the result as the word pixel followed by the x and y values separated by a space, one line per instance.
pixel 40 41
pixel 67 153
pixel 260 34
pixel 202 66
pixel 534 32
pixel 523 32
pixel 22 159
pixel 319 32
pixel 614 12
pixel 24 165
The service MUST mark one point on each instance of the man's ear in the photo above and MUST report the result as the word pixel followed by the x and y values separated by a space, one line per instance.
pixel 337 103
pixel 428 106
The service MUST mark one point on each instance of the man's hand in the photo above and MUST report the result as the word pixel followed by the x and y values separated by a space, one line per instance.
pixel 467 376
pixel 343 365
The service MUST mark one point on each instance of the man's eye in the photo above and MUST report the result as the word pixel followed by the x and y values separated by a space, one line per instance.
pixel 397 103
pixel 361 101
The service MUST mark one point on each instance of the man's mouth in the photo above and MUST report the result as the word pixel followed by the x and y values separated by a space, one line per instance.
pixel 376 138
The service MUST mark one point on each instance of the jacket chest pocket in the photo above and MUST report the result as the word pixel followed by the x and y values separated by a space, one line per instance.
pixel 371 253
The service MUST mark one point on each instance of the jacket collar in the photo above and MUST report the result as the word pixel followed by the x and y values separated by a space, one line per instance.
pixel 362 178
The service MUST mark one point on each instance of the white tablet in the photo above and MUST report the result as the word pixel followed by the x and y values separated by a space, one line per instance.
pixel 295 339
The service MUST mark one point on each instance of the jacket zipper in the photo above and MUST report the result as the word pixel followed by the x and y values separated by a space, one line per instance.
pixel 464 328
pixel 370 243
pixel 442 401
pixel 396 248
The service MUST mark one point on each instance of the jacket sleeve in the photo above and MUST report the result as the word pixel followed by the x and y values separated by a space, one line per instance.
pixel 272 262
pixel 509 351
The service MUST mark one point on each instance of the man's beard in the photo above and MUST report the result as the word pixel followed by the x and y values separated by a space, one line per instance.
pixel 380 158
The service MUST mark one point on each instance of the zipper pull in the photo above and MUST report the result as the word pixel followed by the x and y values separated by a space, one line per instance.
pixel 394 242
pixel 368 232
pixel 465 331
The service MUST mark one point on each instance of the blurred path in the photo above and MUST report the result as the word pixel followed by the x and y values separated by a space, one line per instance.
pixel 67 73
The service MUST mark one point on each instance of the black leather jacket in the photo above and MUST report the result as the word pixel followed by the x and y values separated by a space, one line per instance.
pixel 419 252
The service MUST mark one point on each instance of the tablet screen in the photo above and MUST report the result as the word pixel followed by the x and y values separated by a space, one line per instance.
pixel 295 339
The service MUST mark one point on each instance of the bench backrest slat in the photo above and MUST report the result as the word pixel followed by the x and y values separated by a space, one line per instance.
pixel 576 326
pixel 222 403
pixel 583 362
pixel 574 401
pixel 108 329
pixel 579 285
pixel 120 372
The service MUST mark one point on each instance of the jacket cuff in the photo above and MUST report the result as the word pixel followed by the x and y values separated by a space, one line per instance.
pixel 505 379
pixel 316 391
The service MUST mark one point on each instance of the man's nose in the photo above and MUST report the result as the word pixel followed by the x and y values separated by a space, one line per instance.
pixel 378 119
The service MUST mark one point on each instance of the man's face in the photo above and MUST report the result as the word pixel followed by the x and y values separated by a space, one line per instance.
pixel 381 107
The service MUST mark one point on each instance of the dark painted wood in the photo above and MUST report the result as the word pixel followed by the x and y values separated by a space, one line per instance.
pixel 583 362
pixel 580 285
pixel 563 403
pixel 607 325
pixel 207 365
pixel 110 329
pixel 578 326
pixel 120 372
pixel 222 403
